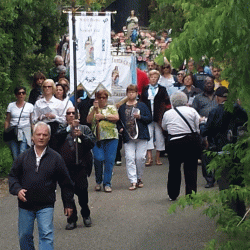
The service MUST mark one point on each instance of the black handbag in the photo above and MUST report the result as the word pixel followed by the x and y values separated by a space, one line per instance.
pixel 10 134
pixel 195 136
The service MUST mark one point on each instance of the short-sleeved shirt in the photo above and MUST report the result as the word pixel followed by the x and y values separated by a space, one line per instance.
pixel 174 123
pixel 203 104
pixel 24 125
pixel 15 114
pixel 108 129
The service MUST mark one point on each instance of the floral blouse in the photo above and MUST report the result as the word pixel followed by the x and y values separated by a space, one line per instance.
pixel 108 129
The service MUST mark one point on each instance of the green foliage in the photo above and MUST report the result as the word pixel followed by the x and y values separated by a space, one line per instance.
pixel 5 160
pixel 220 29
pixel 29 30
pixel 166 15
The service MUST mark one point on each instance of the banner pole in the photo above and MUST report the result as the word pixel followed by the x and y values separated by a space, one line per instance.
pixel 75 70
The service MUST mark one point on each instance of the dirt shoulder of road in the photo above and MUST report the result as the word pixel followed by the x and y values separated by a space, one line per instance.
pixel 4 188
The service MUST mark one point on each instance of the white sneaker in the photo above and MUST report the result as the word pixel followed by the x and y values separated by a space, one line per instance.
pixel 107 189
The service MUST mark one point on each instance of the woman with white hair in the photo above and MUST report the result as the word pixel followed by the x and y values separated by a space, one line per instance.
pixel 49 109
pixel 182 124
pixel 156 98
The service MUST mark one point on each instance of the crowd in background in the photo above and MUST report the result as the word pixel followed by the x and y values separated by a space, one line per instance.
pixel 155 86
pixel 176 112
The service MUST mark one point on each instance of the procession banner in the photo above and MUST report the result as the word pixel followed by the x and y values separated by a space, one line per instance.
pixel 121 76
pixel 93 56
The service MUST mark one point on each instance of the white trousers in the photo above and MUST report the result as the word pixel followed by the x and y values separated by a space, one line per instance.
pixel 135 155
pixel 157 139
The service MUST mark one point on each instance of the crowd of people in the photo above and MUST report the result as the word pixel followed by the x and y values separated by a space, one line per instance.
pixel 166 111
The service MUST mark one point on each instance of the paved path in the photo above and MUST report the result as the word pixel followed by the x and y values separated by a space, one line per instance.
pixel 124 219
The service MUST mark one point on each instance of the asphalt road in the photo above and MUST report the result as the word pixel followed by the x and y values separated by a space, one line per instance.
pixel 123 219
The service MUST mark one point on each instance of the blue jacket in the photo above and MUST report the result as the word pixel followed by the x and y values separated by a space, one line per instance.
pixel 142 123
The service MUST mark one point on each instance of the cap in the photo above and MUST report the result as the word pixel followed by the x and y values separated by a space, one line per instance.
pixel 221 91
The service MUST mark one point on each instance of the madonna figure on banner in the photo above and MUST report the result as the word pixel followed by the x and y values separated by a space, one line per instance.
pixel 89 48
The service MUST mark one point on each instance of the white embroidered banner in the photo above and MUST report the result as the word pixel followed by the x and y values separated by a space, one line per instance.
pixel 93 56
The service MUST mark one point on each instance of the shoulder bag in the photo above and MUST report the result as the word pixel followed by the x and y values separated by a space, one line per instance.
pixel 10 133
pixel 196 137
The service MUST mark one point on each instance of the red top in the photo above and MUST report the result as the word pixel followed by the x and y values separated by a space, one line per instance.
pixel 142 80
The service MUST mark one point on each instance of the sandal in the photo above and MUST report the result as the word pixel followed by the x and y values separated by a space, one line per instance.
pixel 149 163
pixel 139 183
pixel 158 163
pixel 132 187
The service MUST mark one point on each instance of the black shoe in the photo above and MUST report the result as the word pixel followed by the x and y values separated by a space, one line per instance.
pixel 171 199
pixel 71 226
pixel 87 221
pixel 209 185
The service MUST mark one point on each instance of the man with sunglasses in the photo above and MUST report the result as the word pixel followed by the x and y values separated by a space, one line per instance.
pixel 79 172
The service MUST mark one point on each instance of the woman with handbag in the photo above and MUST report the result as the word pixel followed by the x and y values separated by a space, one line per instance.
pixel 134 119
pixel 182 124
pixel 18 123
pixel 103 118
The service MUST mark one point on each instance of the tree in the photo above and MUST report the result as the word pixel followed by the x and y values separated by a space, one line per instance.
pixel 166 16
pixel 29 31
pixel 220 29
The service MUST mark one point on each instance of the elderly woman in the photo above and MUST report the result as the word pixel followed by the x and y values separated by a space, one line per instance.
pixel 189 89
pixel 103 120
pixel 49 109
pixel 156 98
pixel 134 119
pixel 19 114
pixel 183 146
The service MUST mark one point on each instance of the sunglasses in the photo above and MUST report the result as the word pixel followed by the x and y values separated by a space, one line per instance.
pixel 69 113
pixel 21 93
pixel 47 87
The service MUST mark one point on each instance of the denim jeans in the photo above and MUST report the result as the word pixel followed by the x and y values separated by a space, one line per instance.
pixel 105 155
pixel 45 228
pixel 17 147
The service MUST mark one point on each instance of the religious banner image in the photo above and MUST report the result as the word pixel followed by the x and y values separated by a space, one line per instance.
pixel 121 76
pixel 93 56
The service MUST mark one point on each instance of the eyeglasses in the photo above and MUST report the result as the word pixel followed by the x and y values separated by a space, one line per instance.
pixel 47 87
pixel 69 113
pixel 179 74
pixel 21 93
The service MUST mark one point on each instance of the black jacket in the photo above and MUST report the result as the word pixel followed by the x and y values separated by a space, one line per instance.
pixel 40 182
pixel 67 148
pixel 146 118
pixel 161 102
pixel 219 122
